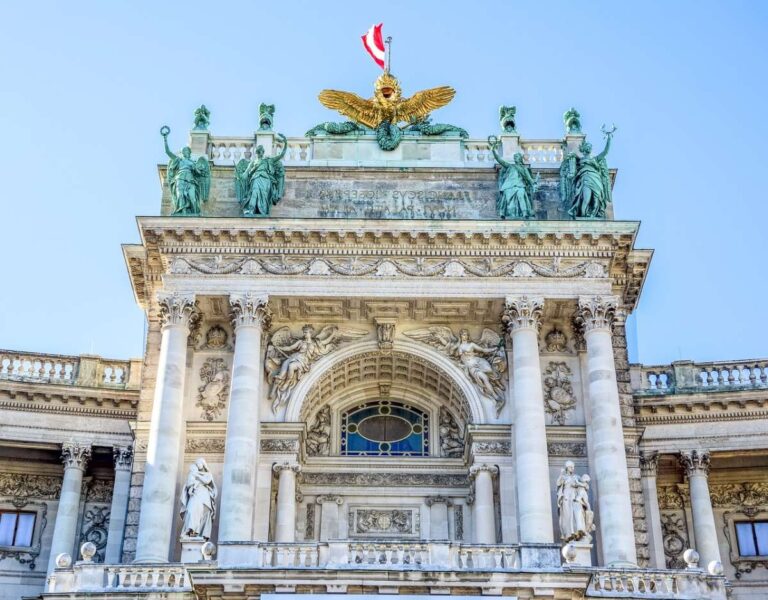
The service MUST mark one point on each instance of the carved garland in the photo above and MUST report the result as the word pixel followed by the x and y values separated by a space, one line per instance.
pixel 558 392
pixel 384 267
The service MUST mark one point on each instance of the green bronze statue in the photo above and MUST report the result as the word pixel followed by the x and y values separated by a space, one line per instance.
pixel 425 126
pixel 202 118
pixel 572 121
pixel 188 180
pixel 335 128
pixel 266 116
pixel 517 185
pixel 260 182
pixel 585 181
pixel 507 119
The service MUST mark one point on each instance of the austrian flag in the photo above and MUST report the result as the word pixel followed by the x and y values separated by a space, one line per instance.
pixel 374 44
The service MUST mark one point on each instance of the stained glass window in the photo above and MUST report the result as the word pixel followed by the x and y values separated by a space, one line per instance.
pixel 384 428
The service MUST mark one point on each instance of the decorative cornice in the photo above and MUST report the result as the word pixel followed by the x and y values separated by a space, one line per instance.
pixel 649 463
pixel 75 455
pixel 123 457
pixel 250 310
pixel 695 462
pixel 177 309
pixel 522 312
pixel 596 312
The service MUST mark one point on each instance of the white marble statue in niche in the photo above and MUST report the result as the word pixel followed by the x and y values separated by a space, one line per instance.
pixel 575 513
pixel 198 501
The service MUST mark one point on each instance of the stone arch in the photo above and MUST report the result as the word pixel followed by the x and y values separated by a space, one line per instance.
pixel 408 363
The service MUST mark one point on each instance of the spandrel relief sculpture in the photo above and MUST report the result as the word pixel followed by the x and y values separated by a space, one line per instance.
pixel 260 182
pixel 290 357
pixel 517 185
pixel 577 520
pixel 451 440
pixel 189 180
pixel 585 181
pixel 319 435
pixel 484 361
pixel 198 501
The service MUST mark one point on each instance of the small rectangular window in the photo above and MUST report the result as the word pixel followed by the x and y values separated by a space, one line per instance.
pixel 16 528
pixel 752 537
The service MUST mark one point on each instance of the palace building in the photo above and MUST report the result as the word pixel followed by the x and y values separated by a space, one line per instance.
pixel 383 360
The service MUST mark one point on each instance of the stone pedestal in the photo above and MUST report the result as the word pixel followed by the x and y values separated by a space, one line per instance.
pixel 192 549
pixel 158 498
pixel 510 144
pixel 617 533
pixel 75 457
pixel 238 494
pixel 582 557
pixel 123 458
pixel 521 318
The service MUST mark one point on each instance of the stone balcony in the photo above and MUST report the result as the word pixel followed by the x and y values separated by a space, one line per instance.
pixel 384 567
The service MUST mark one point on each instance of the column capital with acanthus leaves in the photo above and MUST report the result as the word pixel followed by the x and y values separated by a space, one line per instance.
pixel 75 455
pixel 522 312
pixel 250 310
pixel 177 309
pixel 695 462
pixel 597 312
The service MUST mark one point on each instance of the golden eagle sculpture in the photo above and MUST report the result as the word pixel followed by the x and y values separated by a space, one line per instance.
pixel 385 110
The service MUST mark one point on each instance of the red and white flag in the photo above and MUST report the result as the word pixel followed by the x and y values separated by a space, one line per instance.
pixel 374 44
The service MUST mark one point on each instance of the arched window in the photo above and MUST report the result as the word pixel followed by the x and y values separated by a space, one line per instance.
pixel 384 428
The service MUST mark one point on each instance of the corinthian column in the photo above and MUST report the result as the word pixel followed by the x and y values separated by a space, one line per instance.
pixel 161 472
pixel 483 510
pixel 75 457
pixel 250 317
pixel 522 318
pixel 123 459
pixel 696 465
pixel 617 534
pixel 285 519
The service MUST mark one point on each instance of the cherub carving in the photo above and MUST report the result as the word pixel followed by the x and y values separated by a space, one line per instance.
pixel 290 357
pixel 483 361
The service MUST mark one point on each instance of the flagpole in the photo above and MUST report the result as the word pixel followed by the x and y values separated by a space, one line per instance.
pixel 388 43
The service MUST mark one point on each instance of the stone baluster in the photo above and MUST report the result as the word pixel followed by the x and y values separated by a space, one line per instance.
pixel 696 465
pixel 649 462
pixel 251 316
pixel 484 510
pixel 285 519
pixel 158 499
pixel 617 534
pixel 75 456
pixel 329 516
pixel 123 457
pixel 522 319
pixel 438 517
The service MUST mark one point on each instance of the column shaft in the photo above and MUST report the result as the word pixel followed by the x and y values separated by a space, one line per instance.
pixel 241 455
pixel 617 534
pixel 75 457
pixel 161 471
pixel 648 464
pixel 531 458
pixel 704 528
pixel 119 507
pixel 483 510
pixel 285 519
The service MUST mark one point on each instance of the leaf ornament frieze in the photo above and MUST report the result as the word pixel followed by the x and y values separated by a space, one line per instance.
pixel 21 486
pixel 356 266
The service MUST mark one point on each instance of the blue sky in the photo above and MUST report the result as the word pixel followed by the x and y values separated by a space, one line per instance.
pixel 86 85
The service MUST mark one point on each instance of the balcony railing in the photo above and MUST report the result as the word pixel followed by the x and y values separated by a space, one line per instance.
pixel 705 376
pixel 83 371
pixel 226 151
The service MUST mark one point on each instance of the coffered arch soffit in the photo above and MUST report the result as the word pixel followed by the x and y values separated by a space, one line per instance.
pixel 362 366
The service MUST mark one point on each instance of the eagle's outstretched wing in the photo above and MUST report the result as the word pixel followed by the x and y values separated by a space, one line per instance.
pixel 351 105
pixel 418 106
